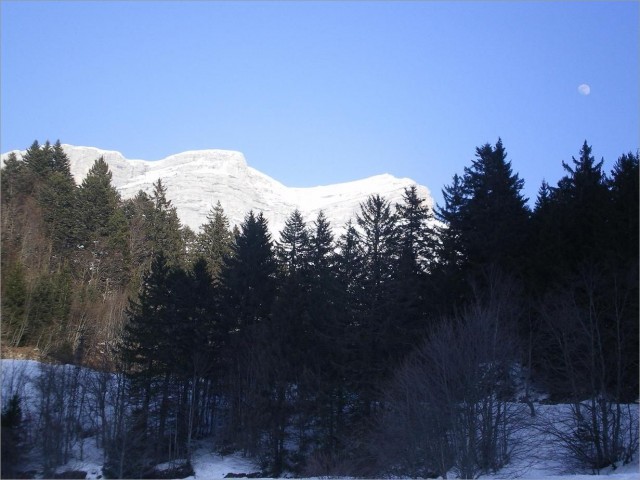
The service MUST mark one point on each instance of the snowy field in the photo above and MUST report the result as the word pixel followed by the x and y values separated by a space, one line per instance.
pixel 20 376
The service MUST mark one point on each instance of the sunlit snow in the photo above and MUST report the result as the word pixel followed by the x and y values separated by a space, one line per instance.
pixel 196 180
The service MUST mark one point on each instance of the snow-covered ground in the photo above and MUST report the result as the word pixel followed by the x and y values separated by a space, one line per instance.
pixel 19 376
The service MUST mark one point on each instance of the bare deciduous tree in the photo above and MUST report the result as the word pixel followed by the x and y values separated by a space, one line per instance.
pixel 448 406
pixel 588 330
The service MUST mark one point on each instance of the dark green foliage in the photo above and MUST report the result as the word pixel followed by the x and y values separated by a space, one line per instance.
pixel 585 245
pixel 448 277
pixel 407 289
pixel 485 229
pixel 14 305
pixel 48 177
pixel 104 230
pixel 248 274
pixel 145 334
pixel 59 160
pixel 247 292
pixel 581 205
pixel 37 159
pixel 49 309
pixel 495 211
pixel 12 178
pixel 373 358
pixel 164 226
pixel 324 377
pixel 214 242
pixel 98 199
pixel 58 201
pixel 623 214
pixel 282 349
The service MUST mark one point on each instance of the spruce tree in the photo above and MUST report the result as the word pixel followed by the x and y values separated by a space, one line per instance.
pixel 623 185
pixel 37 159
pixel 293 247
pixel 49 178
pixel 248 274
pixel 452 254
pixel 485 229
pixel 164 226
pixel 247 292
pixel 495 212
pixel 98 199
pixel 350 265
pixel 59 160
pixel 326 393
pixel 576 213
pixel 12 178
pixel 146 333
pixel 215 239
pixel 408 289
pixel 378 234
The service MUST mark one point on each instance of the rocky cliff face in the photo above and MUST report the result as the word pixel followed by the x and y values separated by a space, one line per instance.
pixel 196 180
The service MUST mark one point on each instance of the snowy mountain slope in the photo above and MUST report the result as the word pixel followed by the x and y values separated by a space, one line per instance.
pixel 196 180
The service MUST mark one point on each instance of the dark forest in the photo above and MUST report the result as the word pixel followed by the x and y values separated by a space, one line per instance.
pixel 407 344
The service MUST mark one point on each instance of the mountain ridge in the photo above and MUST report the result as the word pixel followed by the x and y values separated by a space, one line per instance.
pixel 197 179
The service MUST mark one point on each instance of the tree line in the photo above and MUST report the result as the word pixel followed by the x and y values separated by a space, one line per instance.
pixel 387 349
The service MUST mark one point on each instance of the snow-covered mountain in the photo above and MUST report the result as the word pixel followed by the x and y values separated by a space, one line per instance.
pixel 196 180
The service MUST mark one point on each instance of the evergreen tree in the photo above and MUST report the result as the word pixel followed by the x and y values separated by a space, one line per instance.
pixel 139 212
pixel 572 219
pixel 147 353
pixel 495 212
pixel 324 381
pixel 49 309
pixel 12 178
pixel 350 266
pixel 214 242
pixel 165 226
pixel 98 199
pixel 60 213
pixel 249 273
pixel 584 276
pixel 623 216
pixel 448 277
pixel 50 179
pixel 59 160
pixel 452 254
pixel 485 226
pixel 293 248
pixel 247 293
pixel 378 234
pixel 14 305
pixel 37 159
pixel 408 285
pixel 583 191
pixel 104 227
pixel 290 334
pixel 189 241
pixel 146 333
pixel 544 244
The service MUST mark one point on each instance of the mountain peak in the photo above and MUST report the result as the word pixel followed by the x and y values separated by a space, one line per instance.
pixel 197 179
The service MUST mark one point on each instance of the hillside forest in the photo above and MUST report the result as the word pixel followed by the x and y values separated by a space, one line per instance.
pixel 410 344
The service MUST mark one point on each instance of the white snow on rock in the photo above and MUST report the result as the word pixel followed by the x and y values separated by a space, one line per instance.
pixel 196 180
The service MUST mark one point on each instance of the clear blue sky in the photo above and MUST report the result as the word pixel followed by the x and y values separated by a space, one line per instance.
pixel 323 92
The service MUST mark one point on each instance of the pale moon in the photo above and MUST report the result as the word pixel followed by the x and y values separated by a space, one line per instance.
pixel 584 89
